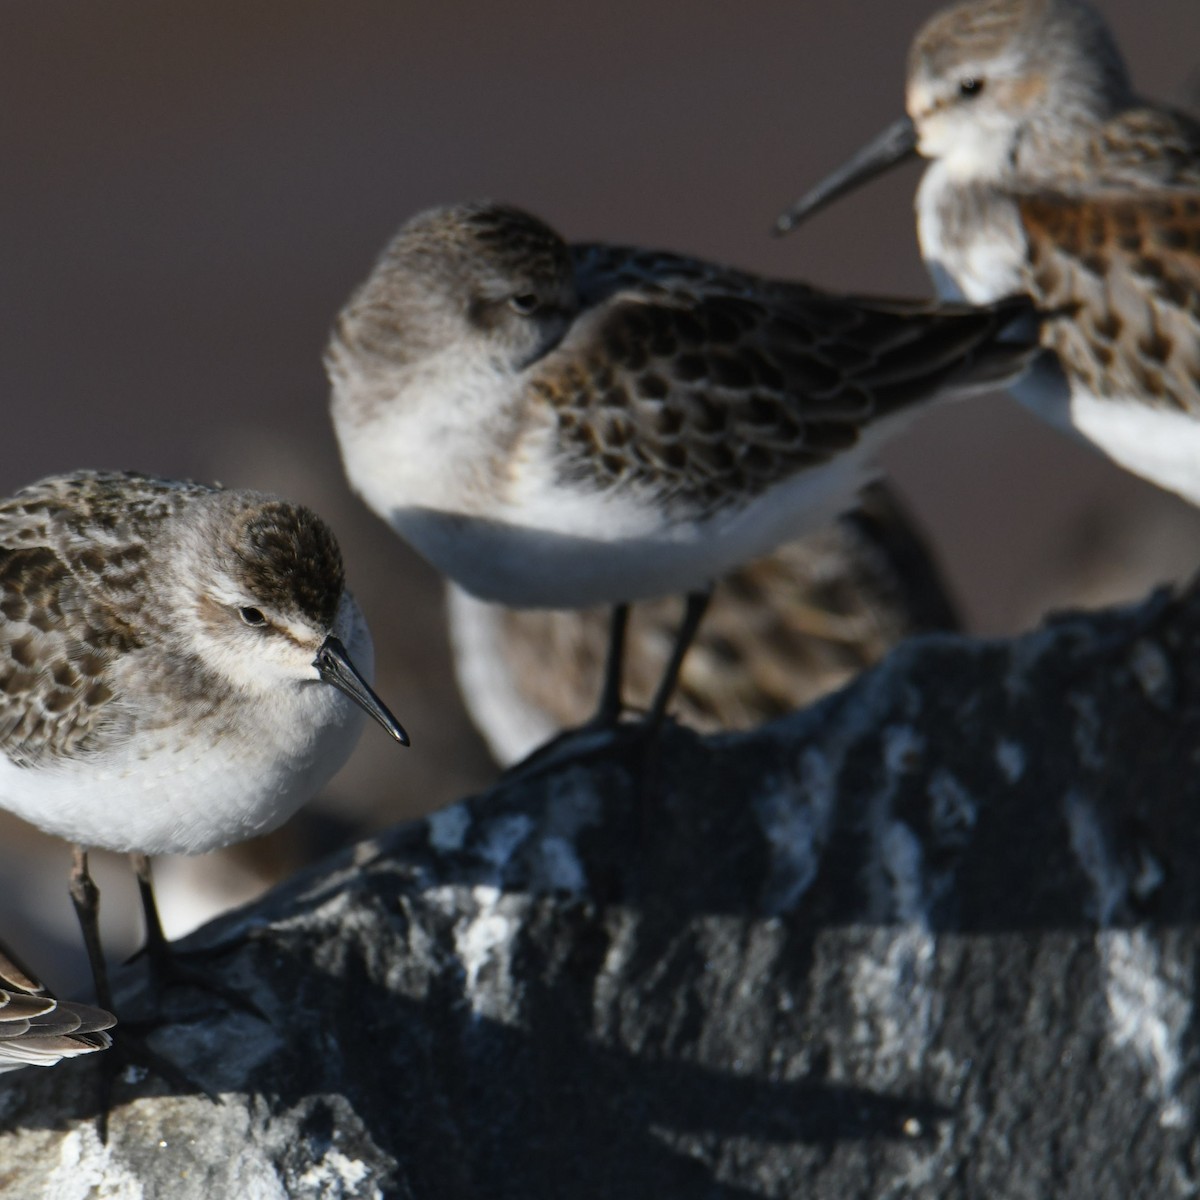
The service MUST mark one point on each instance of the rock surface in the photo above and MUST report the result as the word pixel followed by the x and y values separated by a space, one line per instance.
pixel 935 937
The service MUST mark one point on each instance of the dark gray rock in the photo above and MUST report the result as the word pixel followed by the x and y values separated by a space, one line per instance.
pixel 935 937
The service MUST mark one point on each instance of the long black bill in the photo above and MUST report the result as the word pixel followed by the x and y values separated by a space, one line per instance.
pixel 893 146
pixel 335 667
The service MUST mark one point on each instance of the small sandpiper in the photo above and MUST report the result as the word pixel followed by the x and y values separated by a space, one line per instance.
pixel 1050 177
pixel 558 426
pixel 181 667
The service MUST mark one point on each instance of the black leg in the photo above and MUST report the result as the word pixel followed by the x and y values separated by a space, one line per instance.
pixel 697 604
pixel 127 1046
pixel 156 942
pixel 86 898
pixel 166 969
pixel 607 716
pixel 609 712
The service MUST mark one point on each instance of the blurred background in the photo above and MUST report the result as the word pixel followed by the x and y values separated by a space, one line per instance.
pixel 191 190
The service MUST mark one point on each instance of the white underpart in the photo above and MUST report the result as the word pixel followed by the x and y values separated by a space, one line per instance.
pixel 511 725
pixel 188 790
pixel 1158 444
pixel 537 542
pixel 1090 847
pixel 986 269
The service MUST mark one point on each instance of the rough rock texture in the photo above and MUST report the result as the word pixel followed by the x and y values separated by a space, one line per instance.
pixel 936 937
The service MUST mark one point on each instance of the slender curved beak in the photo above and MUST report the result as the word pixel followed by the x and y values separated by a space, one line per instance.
pixel 335 668
pixel 896 144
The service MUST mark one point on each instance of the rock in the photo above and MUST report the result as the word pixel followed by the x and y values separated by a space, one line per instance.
pixel 934 937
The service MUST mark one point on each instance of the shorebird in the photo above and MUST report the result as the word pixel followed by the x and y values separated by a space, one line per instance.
pixel 177 669
pixel 558 426
pixel 1050 177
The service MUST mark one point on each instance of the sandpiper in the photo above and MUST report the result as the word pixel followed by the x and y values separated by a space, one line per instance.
pixel 1049 176
pixel 558 426
pixel 177 668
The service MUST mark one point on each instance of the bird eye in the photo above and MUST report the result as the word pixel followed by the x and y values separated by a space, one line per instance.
pixel 252 616
pixel 524 304
pixel 970 87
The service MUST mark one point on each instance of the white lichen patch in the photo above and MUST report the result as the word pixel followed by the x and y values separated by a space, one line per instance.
pixel 86 1169
pixel 483 942
pixel 1010 758
pixel 573 804
pixel 896 1007
pixel 1090 847
pixel 895 1004
pixel 609 990
pixel 1150 875
pixel 162 1146
pixel 1149 1011
pixel 572 807
pixel 902 863
pixel 448 828
pixel 337 1177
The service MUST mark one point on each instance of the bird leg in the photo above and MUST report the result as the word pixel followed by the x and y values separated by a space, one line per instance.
pixel 85 895
pixel 609 711
pixel 608 714
pixel 697 605
pixel 126 1047
pixel 156 941
pixel 165 966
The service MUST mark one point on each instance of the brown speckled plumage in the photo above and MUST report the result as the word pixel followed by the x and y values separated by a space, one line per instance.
pixel 1105 189
pixel 1125 273
pixel 1050 177
pixel 80 595
pixel 275 534
pixel 702 386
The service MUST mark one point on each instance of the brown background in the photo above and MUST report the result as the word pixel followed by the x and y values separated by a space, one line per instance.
pixel 190 191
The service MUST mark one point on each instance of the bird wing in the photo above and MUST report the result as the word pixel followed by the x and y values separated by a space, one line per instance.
pixel 1145 147
pixel 71 602
pixel 1121 273
pixel 37 1028
pixel 709 385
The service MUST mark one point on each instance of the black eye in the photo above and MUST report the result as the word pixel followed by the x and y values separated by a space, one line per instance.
pixel 970 87
pixel 252 616
pixel 524 304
